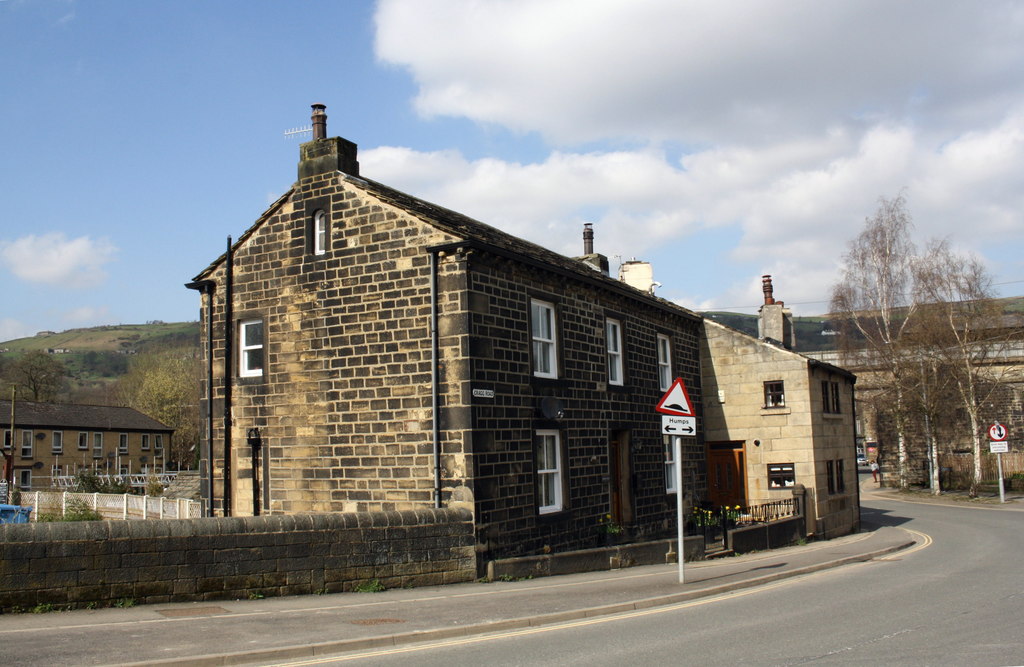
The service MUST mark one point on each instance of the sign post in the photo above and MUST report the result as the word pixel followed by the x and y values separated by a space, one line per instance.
pixel 997 445
pixel 679 419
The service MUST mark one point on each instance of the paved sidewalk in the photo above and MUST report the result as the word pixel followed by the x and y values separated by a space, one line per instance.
pixel 987 499
pixel 279 629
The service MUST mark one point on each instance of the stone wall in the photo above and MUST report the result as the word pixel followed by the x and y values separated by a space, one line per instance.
pixel 101 562
pixel 592 411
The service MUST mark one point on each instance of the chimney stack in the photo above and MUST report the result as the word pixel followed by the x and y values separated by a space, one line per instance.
pixel 323 155
pixel 319 121
pixel 594 260
pixel 776 321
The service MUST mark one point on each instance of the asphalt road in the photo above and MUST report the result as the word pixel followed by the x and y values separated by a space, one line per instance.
pixel 957 598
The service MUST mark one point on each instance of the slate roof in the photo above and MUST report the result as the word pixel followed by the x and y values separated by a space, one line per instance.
pixel 469 229
pixel 82 417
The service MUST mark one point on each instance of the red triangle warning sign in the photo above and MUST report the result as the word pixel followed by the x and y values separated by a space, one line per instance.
pixel 676 401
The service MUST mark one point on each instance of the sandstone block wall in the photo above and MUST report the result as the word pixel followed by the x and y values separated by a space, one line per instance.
pixel 150 562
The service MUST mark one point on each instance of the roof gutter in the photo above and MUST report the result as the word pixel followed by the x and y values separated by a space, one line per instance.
pixel 596 279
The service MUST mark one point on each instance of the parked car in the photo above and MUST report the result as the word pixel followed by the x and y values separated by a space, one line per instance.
pixel 862 462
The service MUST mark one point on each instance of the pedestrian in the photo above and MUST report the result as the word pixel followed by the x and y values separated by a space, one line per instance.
pixel 874 471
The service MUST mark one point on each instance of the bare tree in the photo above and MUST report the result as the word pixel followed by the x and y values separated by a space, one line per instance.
pixel 874 301
pixel 165 386
pixel 961 327
pixel 40 374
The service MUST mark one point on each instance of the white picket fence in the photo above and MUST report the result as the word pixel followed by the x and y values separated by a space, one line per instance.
pixel 113 506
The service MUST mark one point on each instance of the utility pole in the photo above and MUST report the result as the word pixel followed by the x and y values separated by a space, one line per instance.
pixel 9 451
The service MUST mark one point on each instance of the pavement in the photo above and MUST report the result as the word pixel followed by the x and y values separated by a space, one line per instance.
pixel 275 630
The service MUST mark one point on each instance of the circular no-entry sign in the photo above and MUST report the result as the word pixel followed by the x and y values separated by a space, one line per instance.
pixel 997 432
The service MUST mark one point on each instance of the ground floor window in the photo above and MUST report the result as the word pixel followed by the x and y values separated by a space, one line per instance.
pixel 781 475
pixel 670 463
pixel 549 471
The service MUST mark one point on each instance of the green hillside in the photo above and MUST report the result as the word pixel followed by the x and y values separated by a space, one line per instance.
pixel 99 355
pixel 812 333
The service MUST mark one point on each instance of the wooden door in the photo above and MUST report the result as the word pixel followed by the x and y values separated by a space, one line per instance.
pixel 620 465
pixel 726 478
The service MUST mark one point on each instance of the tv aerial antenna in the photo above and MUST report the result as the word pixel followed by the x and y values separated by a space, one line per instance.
pixel 298 131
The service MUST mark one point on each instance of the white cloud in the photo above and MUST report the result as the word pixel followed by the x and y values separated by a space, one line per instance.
pixel 580 70
pixel 796 203
pixel 793 119
pixel 54 259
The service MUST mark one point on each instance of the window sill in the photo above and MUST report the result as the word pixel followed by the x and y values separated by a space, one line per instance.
pixel 556 516
pixel 780 410
pixel 832 415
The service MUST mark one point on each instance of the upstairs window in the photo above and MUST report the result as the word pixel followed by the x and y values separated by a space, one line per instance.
pixel 97 445
pixel 664 362
pixel 57 443
pixel 774 394
pixel 158 443
pixel 26 444
pixel 122 443
pixel 319 233
pixel 542 329
pixel 145 442
pixel 613 340
pixel 83 440
pixel 250 348
pixel 830 397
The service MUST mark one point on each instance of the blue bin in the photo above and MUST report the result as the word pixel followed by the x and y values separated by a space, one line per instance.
pixel 14 514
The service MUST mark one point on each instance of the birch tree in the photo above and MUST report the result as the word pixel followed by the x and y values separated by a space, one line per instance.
pixel 961 329
pixel 875 303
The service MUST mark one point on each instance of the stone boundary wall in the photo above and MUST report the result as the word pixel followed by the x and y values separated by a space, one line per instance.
pixel 764 536
pixel 99 563
pixel 614 557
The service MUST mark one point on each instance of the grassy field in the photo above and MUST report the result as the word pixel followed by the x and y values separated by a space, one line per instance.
pixel 97 356
pixel 124 338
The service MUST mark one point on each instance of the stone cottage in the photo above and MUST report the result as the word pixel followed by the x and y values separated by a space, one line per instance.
pixel 775 419
pixel 367 350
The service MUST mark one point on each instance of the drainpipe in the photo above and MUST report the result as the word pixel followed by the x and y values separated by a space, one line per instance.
pixel 206 288
pixel 434 391
pixel 229 354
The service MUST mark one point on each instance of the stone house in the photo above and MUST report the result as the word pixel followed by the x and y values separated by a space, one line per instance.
pixel 55 440
pixel 367 350
pixel 775 419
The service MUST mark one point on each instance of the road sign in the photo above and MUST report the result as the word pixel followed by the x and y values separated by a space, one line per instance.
pixel 676 401
pixel 997 432
pixel 998 447
pixel 676 425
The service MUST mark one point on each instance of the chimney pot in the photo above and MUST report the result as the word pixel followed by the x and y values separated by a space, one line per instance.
pixel 588 238
pixel 319 121
pixel 766 287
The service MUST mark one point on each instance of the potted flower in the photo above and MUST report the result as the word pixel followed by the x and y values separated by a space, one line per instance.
pixel 608 528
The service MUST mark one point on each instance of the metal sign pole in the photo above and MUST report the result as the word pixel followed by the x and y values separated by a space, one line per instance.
pixel 999 462
pixel 677 456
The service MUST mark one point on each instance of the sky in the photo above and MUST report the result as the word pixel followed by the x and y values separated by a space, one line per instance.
pixel 717 140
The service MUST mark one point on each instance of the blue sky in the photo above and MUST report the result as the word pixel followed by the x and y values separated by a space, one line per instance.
pixel 720 141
